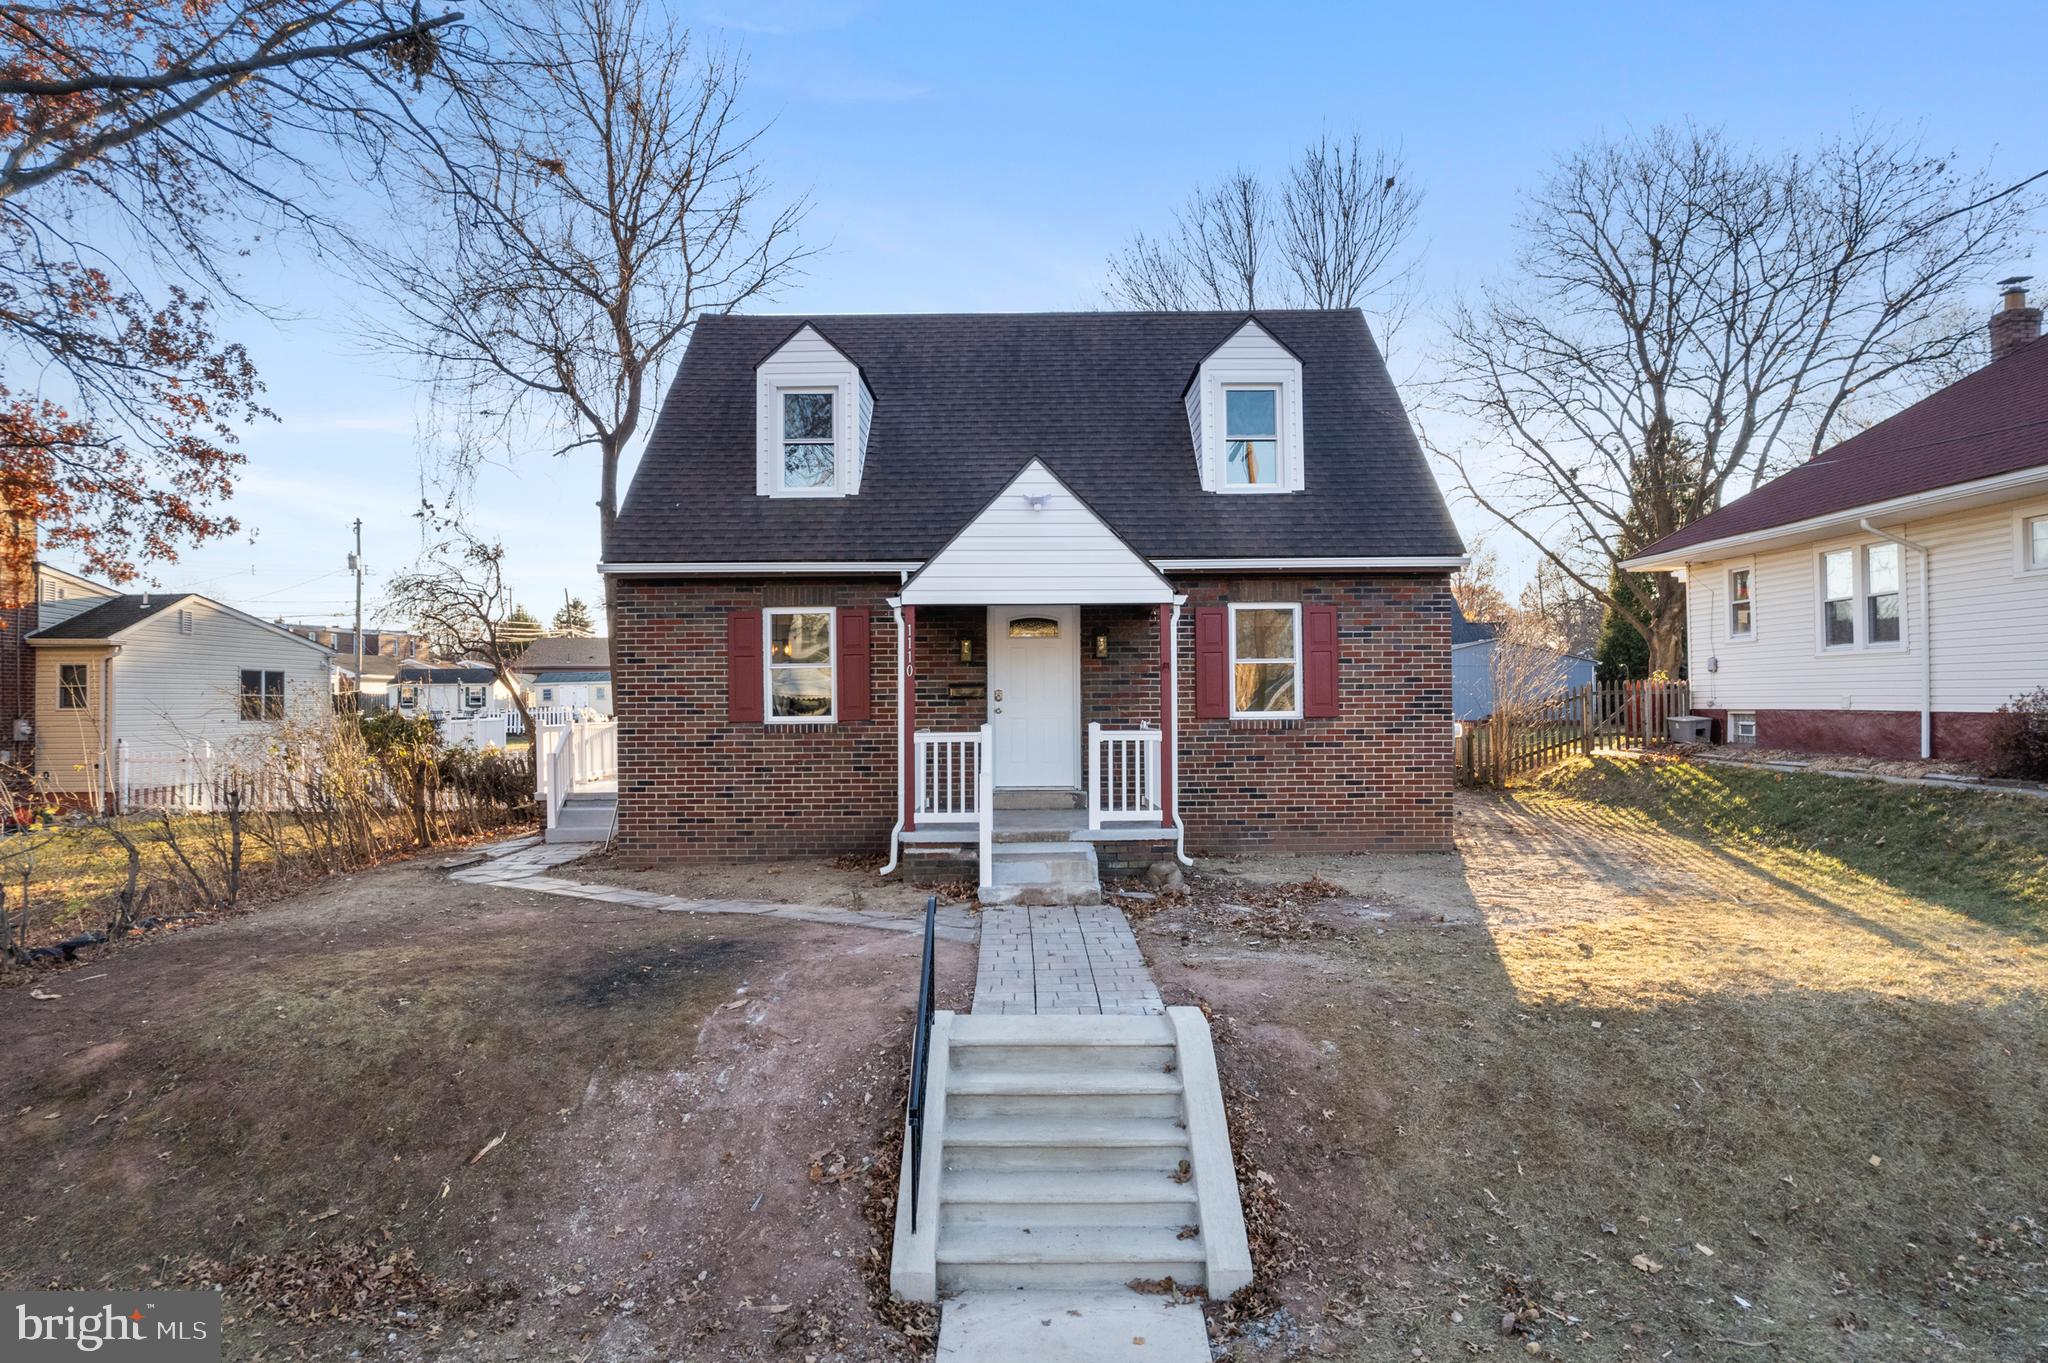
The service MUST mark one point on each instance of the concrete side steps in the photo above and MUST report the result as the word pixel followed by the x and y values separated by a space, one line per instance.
pixel 1032 1199
pixel 986 1044
pixel 1046 1092
pixel 587 817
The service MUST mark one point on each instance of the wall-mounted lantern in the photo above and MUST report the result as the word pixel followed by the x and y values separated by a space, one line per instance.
pixel 1102 645
pixel 966 649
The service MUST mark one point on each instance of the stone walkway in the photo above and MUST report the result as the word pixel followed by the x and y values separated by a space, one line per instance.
pixel 523 863
pixel 1062 960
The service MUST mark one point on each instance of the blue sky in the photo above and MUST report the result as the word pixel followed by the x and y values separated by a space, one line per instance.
pixel 968 157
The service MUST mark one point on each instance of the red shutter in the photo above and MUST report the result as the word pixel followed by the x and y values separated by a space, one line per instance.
pixel 1212 662
pixel 856 668
pixel 1319 687
pixel 744 680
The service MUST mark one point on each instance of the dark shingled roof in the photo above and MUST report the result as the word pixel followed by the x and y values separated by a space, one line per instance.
pixel 964 401
pixel 1990 422
pixel 1465 631
pixel 110 617
pixel 559 652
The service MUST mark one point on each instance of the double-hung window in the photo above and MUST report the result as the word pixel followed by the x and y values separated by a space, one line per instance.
pixel 1838 599
pixel 1251 438
pixel 71 686
pixel 1741 606
pixel 1265 662
pixel 262 694
pixel 800 659
pixel 810 458
pixel 2034 544
pixel 1881 594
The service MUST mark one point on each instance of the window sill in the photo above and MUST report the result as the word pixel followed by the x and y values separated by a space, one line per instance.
pixel 1264 721
pixel 801 723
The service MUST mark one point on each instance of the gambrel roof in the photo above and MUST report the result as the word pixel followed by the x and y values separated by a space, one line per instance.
pixel 964 402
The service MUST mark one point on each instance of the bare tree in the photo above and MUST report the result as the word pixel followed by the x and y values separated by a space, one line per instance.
pixel 1690 317
pixel 457 596
pixel 1330 236
pixel 582 213
pixel 153 139
pixel 1568 611
pixel 1476 587
pixel 1528 674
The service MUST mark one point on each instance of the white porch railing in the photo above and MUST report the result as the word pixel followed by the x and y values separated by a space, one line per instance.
pixel 1123 776
pixel 568 755
pixel 953 781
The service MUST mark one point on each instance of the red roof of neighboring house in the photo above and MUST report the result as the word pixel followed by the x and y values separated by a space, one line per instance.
pixel 1991 422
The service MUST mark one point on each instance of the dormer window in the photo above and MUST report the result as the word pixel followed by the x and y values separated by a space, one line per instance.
pixel 810 460
pixel 1251 432
pixel 813 413
pixel 1244 408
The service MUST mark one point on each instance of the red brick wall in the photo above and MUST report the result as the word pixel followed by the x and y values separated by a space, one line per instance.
pixel 17 670
pixel 1959 736
pixel 1378 776
pixel 692 785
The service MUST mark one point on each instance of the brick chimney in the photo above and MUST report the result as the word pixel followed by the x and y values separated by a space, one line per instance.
pixel 2015 324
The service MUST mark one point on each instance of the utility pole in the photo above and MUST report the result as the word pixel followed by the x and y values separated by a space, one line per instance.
pixel 355 564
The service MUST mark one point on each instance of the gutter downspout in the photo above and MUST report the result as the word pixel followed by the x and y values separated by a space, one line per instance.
pixel 896 832
pixel 1926 630
pixel 1180 828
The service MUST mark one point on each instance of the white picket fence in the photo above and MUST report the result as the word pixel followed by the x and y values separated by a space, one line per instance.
pixel 485 731
pixel 544 715
pixel 570 755
pixel 192 781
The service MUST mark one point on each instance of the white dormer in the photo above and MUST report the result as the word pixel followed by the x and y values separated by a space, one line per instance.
pixel 1244 413
pixel 812 410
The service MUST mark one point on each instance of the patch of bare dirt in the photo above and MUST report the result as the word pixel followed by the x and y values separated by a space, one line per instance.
pixel 845 882
pixel 438 1120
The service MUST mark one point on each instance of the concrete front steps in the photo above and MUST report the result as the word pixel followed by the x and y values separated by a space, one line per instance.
pixel 586 817
pixel 1072 1154
pixel 1042 873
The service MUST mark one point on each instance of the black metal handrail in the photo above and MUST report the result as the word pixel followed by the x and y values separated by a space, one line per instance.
pixel 921 1054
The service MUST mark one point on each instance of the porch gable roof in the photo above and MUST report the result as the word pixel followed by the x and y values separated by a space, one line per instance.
pixel 1036 543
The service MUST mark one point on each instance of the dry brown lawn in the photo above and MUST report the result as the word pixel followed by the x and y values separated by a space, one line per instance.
pixel 1637 1091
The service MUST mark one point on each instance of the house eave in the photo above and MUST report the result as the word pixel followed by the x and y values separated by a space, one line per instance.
pixel 1433 563
pixel 1914 506
pixel 866 567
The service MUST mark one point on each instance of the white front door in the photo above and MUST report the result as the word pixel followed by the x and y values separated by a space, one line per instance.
pixel 1034 694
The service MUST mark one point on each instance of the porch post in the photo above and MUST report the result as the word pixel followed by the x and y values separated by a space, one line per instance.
pixel 906 697
pixel 1167 690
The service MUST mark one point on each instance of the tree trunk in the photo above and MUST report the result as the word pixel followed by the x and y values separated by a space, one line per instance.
pixel 1667 629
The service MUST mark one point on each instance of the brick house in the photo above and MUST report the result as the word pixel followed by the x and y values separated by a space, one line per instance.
pixel 1115 586
pixel 1886 597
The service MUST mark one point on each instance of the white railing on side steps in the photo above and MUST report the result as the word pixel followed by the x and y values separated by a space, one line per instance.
pixel 1123 775
pixel 953 781
pixel 568 755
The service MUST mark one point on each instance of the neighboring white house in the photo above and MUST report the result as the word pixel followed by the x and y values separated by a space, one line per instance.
pixel 565 671
pixel 449 691
pixel 1889 594
pixel 1472 669
pixel 158 674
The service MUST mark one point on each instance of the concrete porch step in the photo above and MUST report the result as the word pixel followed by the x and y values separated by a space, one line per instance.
pixel 1043 873
pixel 1069 1198
pixel 1071 1327
pixel 1067 1256
pixel 1052 797
pixel 1049 1093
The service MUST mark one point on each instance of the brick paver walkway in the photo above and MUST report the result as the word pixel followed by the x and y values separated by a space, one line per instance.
pixel 1062 960
pixel 522 864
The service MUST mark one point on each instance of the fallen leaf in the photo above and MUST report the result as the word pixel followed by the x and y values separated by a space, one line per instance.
pixel 1644 1263
pixel 43 994
pixel 492 1144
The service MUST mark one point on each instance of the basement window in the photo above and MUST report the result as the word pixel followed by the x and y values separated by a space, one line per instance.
pixel 1742 727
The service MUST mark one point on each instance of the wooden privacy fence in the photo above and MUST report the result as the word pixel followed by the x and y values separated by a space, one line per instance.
pixel 1528 738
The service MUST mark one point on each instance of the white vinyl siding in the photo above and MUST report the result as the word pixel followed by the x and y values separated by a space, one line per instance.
pixel 807 362
pixel 1250 358
pixel 1013 555
pixel 173 688
pixel 1989 626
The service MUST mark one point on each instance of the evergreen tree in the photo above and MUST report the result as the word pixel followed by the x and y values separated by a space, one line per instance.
pixel 573 619
pixel 1624 653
